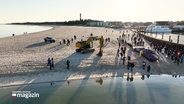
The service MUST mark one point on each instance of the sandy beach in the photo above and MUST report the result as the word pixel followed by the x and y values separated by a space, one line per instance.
pixel 24 57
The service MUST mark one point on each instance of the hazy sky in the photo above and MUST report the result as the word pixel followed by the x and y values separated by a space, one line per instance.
pixel 107 10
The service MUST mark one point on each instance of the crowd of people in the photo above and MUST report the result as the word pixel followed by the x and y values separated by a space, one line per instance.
pixel 137 40
pixel 172 50
pixel 121 52
pixel 50 63
pixel 107 39
pixel 68 41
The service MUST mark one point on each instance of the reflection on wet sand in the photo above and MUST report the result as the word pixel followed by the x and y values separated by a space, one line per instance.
pixel 130 77
pixel 175 75
pixel 99 80
pixel 51 83
pixel 68 82
pixel 115 90
pixel 148 75
pixel 142 76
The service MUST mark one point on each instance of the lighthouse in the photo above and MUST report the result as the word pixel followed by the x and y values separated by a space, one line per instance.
pixel 80 17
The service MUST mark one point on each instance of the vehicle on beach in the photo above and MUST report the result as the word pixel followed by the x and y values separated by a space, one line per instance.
pixel 138 49
pixel 148 54
pixel 49 39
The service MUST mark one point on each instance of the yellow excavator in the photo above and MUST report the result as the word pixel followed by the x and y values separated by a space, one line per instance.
pixel 87 45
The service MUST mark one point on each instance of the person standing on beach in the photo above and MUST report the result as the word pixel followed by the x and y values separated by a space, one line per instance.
pixel 68 42
pixel 128 65
pixel 119 44
pixel 121 54
pixel 68 64
pixel 48 61
pixel 123 60
pixel 140 53
pixel 52 62
pixel 182 57
pixel 124 50
pixel 64 41
pixel 50 66
pixel 148 68
pixel 72 40
pixel 129 58
pixel 178 59
pixel 74 37
pixel 143 65
pixel 118 52
pixel 142 76
pixel 132 66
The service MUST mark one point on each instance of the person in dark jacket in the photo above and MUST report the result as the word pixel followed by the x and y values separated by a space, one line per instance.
pixel 123 60
pixel 68 64
pixel 52 62
pixel 148 68
pixel 48 61
pixel 132 66
pixel 143 65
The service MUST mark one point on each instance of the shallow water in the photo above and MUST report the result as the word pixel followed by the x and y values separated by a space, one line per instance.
pixel 8 30
pixel 140 89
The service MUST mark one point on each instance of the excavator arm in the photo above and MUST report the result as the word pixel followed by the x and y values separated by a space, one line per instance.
pixel 85 46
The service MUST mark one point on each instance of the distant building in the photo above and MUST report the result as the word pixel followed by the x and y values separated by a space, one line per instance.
pixel 178 27
pixel 162 23
pixel 116 24
pixel 98 23
pixel 159 27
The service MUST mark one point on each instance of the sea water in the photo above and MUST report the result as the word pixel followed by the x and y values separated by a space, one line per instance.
pixel 8 30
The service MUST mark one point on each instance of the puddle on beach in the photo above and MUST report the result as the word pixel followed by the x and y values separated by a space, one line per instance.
pixel 129 89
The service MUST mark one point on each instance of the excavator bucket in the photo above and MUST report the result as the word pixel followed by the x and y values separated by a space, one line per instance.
pixel 99 53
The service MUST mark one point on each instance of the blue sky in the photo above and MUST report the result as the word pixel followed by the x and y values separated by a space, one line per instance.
pixel 107 10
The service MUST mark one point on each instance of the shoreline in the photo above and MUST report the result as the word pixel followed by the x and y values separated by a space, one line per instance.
pixel 25 32
pixel 55 76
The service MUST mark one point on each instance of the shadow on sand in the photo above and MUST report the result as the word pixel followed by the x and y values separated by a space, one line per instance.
pixel 84 80
pixel 37 45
